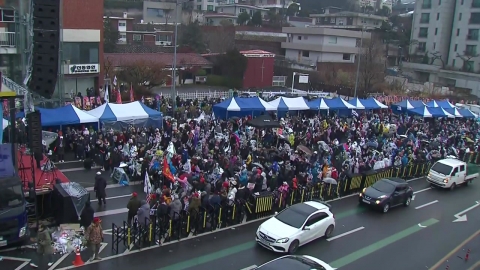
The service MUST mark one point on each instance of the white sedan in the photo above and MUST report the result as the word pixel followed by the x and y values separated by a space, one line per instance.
pixel 289 262
pixel 296 226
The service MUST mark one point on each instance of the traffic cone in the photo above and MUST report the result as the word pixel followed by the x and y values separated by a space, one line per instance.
pixel 467 255
pixel 78 259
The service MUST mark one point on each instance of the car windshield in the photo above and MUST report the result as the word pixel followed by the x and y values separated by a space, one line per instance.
pixel 384 186
pixel 292 217
pixel 442 168
pixel 11 196
pixel 291 262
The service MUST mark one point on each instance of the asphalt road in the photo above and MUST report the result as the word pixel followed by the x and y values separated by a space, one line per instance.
pixel 416 237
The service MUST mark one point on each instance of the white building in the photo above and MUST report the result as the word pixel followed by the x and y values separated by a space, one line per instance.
pixel 335 17
pixel 446 29
pixel 311 45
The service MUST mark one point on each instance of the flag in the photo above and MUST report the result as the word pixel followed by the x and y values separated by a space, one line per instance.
pixel 107 95
pixel 119 97
pixel 132 99
pixel 166 171
pixel 143 100
pixel 115 81
pixel 147 187
pixel 354 113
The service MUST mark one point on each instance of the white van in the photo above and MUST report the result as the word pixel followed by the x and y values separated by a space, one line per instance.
pixel 451 172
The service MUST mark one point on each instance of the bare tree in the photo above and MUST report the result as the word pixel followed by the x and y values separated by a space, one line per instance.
pixel 466 57
pixel 167 12
pixel 219 39
pixel 436 56
pixel 371 64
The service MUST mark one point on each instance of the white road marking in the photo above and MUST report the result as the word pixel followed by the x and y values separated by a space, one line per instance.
pixel 111 212
pixel 59 261
pixel 250 267
pixel 421 190
pixel 421 226
pixel 22 266
pixel 78 169
pixel 345 234
pixel 413 197
pixel 114 197
pixel 116 185
pixel 415 179
pixel 16 248
pixel 461 217
pixel 425 205
pixel 102 247
pixel 15 259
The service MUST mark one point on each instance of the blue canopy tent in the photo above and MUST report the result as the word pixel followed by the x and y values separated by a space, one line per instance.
pixel 466 113
pixel 358 103
pixel 240 107
pixel 454 111
pixel 66 115
pixel 373 104
pixel 425 111
pixel 406 105
pixel 318 104
pixel 421 111
pixel 338 104
pixel 440 103
pixel 121 115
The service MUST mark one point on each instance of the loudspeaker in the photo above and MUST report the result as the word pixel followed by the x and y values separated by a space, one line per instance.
pixel 46 39
pixel 34 128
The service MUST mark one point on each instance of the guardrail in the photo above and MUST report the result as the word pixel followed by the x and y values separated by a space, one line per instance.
pixel 213 217
pixel 8 39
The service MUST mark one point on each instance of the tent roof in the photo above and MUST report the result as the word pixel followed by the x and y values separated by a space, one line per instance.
pixel 279 103
pixel 454 111
pixel 373 103
pixel 318 104
pixel 123 112
pixel 293 104
pixel 338 104
pixel 228 104
pixel 238 104
pixel 422 111
pixel 467 113
pixel 358 103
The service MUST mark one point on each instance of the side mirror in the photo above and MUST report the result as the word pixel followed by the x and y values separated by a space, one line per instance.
pixel 306 228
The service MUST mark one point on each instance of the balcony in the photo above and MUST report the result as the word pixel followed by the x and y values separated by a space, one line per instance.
pixel 8 43
pixel 472 37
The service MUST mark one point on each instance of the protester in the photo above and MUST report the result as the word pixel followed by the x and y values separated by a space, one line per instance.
pixel 44 246
pixel 133 205
pixel 94 236
pixel 86 218
pixel 100 189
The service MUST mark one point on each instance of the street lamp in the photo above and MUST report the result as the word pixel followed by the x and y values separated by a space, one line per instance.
pixel 358 64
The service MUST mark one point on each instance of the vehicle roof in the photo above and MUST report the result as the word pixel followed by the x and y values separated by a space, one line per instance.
pixel 285 262
pixel 394 180
pixel 304 208
pixel 451 162
pixel 317 205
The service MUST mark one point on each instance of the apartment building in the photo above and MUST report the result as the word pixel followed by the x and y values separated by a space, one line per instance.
pixel 447 43
pixel 335 17
pixel 133 33
pixel 162 11
pixel 10 44
pixel 310 46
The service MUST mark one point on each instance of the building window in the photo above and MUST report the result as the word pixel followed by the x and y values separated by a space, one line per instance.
pixel 453 63
pixel 155 12
pixel 476 4
pixel 474 18
pixel 332 20
pixel 459 16
pixel 426 4
pixel 7 15
pixel 439 2
pixel 210 8
pixel 243 10
pixel 471 50
pixel 455 48
pixel 81 52
pixel 422 46
pixel 346 56
pixel 199 7
pixel 122 24
pixel 123 36
pixel 163 38
pixel 436 31
pixel 137 37
pixel 305 53
pixel 211 1
pixel 458 32
pixel 251 12
pixel 469 66
pixel 434 45
pixel 299 37
pixel 472 34
pixel 461 2
pixel 423 32
pixel 332 40
pixel 438 16
pixel 425 18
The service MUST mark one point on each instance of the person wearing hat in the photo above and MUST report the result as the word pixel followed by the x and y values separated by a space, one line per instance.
pixel 94 237
pixel 44 245
pixel 100 189
pixel 133 205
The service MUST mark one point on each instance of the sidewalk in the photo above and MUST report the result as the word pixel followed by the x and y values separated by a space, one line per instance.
pixel 464 256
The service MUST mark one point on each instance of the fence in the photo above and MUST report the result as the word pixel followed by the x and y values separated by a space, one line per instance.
pixel 472 157
pixel 214 217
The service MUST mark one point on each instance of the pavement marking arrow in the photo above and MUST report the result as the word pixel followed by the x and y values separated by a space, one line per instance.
pixel 109 231
pixel 461 216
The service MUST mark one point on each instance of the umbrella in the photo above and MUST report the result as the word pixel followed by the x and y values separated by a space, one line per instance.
pixel 323 145
pixel 258 165
pixel 304 149
pixel 330 181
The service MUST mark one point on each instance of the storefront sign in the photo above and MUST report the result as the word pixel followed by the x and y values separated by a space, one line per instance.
pixel 83 69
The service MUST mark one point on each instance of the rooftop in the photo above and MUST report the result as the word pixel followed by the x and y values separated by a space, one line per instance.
pixel 242 5
pixel 190 59
pixel 349 14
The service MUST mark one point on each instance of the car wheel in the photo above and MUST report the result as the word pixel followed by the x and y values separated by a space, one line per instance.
pixel 386 207
pixel 453 186
pixel 408 201
pixel 329 231
pixel 293 247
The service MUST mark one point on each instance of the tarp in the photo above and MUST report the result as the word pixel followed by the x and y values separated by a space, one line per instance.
pixel 290 104
pixel 318 104
pixel 78 194
pixel 467 113
pixel 373 104
pixel 263 121
pixel 431 112
pixel 240 107
pixel 358 103
pixel 338 104
pixel 454 111
pixel 66 115
pixel 440 103
pixel 109 112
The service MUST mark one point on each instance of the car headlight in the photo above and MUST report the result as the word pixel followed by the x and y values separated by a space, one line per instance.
pixel 364 189
pixel 283 240
pixel 377 202
pixel 22 231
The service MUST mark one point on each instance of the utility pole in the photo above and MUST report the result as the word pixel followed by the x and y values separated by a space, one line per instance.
pixel 358 64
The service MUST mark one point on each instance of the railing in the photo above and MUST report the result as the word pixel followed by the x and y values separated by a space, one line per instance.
pixel 8 39
pixel 15 87
pixel 183 224
pixel 197 94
